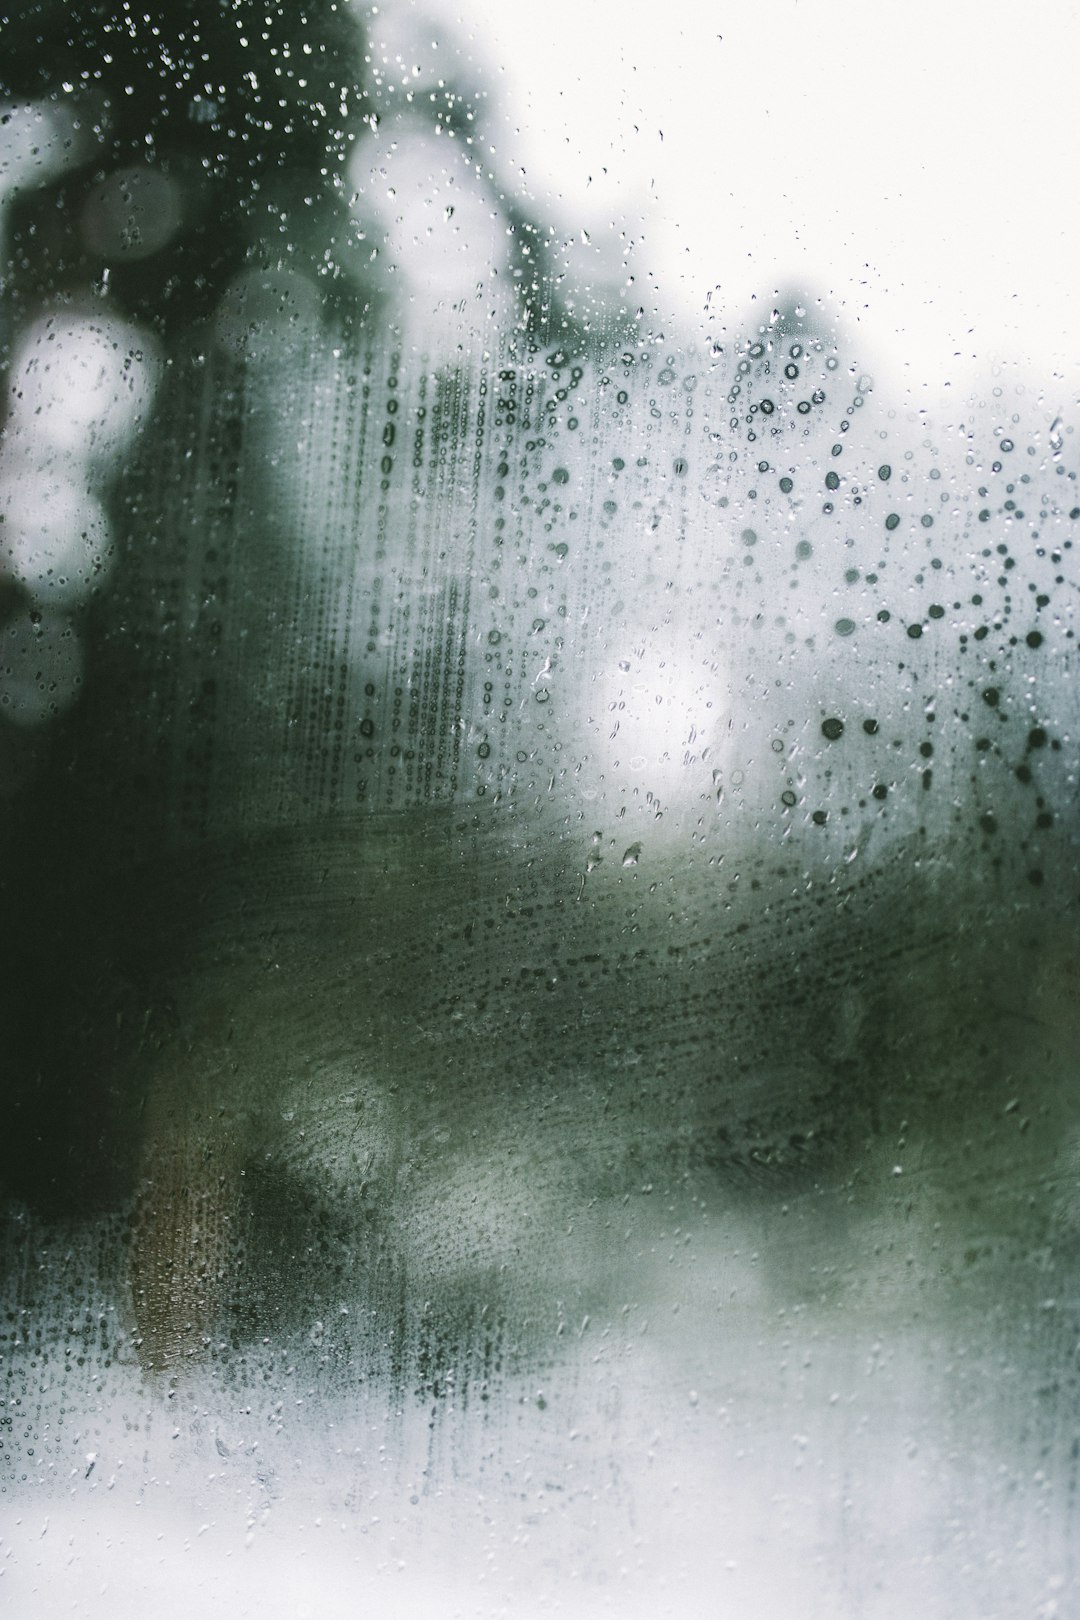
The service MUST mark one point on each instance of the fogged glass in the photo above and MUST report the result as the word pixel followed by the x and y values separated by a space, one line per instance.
pixel 541 990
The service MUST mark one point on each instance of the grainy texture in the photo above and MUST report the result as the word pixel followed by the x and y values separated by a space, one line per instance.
pixel 540 962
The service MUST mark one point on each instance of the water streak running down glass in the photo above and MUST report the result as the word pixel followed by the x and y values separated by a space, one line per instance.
pixel 541 989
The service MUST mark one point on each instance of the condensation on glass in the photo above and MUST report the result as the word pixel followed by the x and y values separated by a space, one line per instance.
pixel 541 989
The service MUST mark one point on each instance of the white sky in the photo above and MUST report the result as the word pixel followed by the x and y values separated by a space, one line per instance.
pixel 914 160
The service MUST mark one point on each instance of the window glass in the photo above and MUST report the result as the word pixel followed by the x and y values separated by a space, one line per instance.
pixel 538 777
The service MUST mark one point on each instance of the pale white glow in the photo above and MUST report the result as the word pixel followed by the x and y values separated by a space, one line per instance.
pixel 81 385
pixel 54 535
pixel 39 140
pixel 654 716
pixel 906 162
pixel 435 222
pixel 36 136
pixel 435 236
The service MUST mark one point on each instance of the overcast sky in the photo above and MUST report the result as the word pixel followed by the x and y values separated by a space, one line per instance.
pixel 914 160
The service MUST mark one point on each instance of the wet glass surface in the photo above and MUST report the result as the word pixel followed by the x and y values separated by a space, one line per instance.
pixel 541 984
